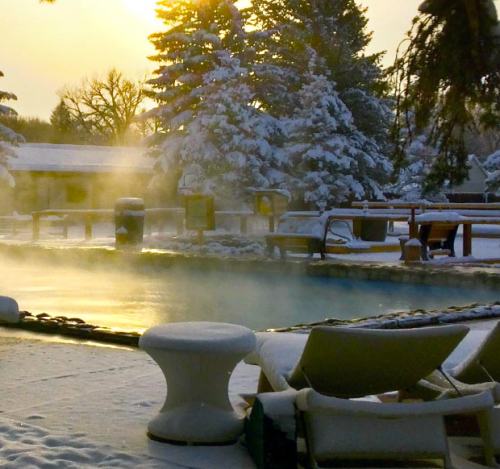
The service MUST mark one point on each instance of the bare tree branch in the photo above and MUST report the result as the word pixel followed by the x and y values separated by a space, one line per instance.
pixel 106 106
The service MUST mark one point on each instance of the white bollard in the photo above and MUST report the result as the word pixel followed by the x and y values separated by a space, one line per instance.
pixel 9 310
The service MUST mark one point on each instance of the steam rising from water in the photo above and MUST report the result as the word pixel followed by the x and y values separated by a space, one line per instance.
pixel 124 298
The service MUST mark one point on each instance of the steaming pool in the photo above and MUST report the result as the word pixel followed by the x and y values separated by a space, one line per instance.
pixel 129 299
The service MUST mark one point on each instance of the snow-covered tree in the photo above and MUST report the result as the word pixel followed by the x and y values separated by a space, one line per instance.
pixel 7 136
pixel 334 33
pixel 410 178
pixel 492 165
pixel 230 145
pixel 317 48
pixel 197 32
pixel 329 159
pixel 221 91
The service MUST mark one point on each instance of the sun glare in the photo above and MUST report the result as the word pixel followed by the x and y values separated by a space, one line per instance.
pixel 145 9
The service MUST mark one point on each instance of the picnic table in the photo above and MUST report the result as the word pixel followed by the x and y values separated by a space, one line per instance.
pixel 425 205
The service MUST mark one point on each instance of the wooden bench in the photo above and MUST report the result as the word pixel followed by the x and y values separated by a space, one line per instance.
pixel 301 233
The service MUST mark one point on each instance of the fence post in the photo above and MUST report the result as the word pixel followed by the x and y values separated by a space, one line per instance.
pixel 179 222
pixel 88 226
pixel 244 224
pixel 36 225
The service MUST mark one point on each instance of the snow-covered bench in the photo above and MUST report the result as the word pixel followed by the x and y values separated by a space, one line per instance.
pixel 299 233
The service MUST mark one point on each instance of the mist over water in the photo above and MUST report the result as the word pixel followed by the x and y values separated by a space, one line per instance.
pixel 129 299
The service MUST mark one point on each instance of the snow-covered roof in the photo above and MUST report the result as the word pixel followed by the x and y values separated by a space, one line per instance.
pixel 80 158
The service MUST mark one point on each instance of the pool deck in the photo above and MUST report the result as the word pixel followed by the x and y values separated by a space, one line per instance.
pixel 83 406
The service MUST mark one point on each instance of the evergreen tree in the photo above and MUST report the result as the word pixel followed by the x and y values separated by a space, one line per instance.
pixel 329 159
pixel 410 179
pixel 229 145
pixel 314 58
pixel 492 164
pixel 449 69
pixel 334 35
pixel 62 122
pixel 207 123
pixel 197 32
pixel 7 135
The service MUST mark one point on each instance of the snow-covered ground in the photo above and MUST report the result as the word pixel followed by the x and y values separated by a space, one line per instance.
pixel 74 406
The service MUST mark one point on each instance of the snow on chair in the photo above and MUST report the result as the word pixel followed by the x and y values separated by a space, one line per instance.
pixel 340 364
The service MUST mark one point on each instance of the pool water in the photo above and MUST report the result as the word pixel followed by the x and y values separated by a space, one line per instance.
pixel 129 299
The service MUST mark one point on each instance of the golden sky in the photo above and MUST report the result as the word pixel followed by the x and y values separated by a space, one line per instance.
pixel 46 46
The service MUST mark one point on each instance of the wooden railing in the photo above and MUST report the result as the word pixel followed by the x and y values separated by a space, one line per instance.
pixel 153 217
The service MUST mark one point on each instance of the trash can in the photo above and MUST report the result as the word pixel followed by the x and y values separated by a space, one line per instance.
pixel 129 221
pixel 373 230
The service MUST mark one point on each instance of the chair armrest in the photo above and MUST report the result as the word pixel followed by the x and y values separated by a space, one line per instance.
pixel 310 400
pixel 450 385
pixel 277 353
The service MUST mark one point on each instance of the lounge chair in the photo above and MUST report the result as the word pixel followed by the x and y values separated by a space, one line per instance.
pixel 484 363
pixel 478 372
pixel 352 362
pixel 335 364
pixel 338 429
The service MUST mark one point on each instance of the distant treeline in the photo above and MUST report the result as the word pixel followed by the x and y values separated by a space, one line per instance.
pixel 36 130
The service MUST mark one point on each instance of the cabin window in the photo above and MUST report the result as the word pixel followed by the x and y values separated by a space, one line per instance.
pixel 76 193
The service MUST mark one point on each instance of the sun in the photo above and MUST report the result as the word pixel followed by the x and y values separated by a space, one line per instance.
pixel 143 9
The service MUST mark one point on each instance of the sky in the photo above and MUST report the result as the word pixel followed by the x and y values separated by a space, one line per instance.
pixel 44 47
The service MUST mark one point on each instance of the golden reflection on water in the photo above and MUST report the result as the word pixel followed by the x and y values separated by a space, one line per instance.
pixel 122 298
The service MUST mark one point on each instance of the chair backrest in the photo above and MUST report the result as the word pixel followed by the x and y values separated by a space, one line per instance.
pixel 296 224
pixel 442 231
pixel 484 363
pixel 348 362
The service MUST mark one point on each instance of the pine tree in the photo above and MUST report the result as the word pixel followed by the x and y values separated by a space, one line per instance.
pixel 492 164
pixel 266 72
pixel 448 71
pixel 331 95
pixel 333 33
pixel 188 50
pixel 7 136
pixel 62 122
pixel 410 179
pixel 329 159
pixel 230 145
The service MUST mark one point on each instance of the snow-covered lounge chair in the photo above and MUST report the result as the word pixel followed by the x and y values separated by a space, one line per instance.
pixel 484 363
pixel 478 372
pixel 352 362
pixel 335 364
